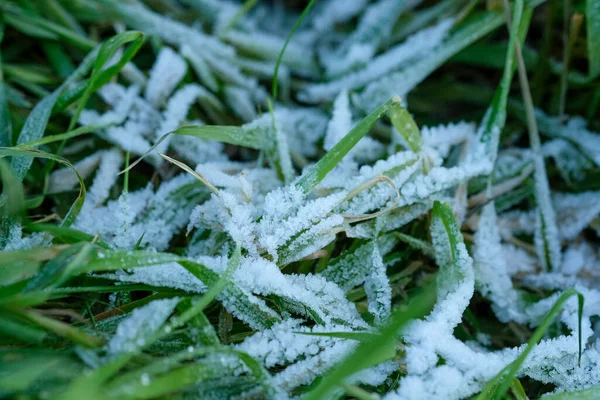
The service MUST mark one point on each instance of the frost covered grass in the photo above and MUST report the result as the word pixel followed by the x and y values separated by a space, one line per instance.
pixel 213 199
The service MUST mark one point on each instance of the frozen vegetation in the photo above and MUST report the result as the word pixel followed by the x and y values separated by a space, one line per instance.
pixel 211 237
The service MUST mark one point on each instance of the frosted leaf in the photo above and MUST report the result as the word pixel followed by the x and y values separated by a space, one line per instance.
pixel 105 178
pixel 491 274
pixel 569 160
pixel 122 103
pixel 393 59
pixel 297 57
pixel 156 216
pixel 350 269
pixel 304 356
pixel 341 121
pixel 135 330
pixel 166 73
pixel 575 212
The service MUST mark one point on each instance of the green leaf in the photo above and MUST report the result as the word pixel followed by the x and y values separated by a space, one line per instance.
pixel 592 16
pixel 315 174
pixel 23 370
pixel 59 328
pixel 16 328
pixel 407 127
pixel 235 135
pixel 66 235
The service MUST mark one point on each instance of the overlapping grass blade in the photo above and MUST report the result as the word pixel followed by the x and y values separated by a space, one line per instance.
pixel 313 176
pixel 497 387
pixel 592 16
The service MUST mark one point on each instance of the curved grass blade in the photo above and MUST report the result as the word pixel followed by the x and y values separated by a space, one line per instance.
pixel 488 135
pixel 592 393
pixel 287 41
pixel 101 76
pixel 29 154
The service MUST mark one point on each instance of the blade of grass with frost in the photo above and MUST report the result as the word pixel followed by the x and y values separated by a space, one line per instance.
pixel 315 174
pixel 20 18
pixel 105 261
pixel 592 16
pixel 236 135
pixel 287 41
pixel 29 154
pixel 404 81
pixel 497 387
pixel 415 243
pixel 236 297
pixel 374 351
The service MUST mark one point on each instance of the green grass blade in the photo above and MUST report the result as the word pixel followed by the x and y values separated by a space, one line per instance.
pixel 235 135
pixel 287 40
pixel 29 154
pixel 214 290
pixel 592 16
pixel 59 328
pixel 407 127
